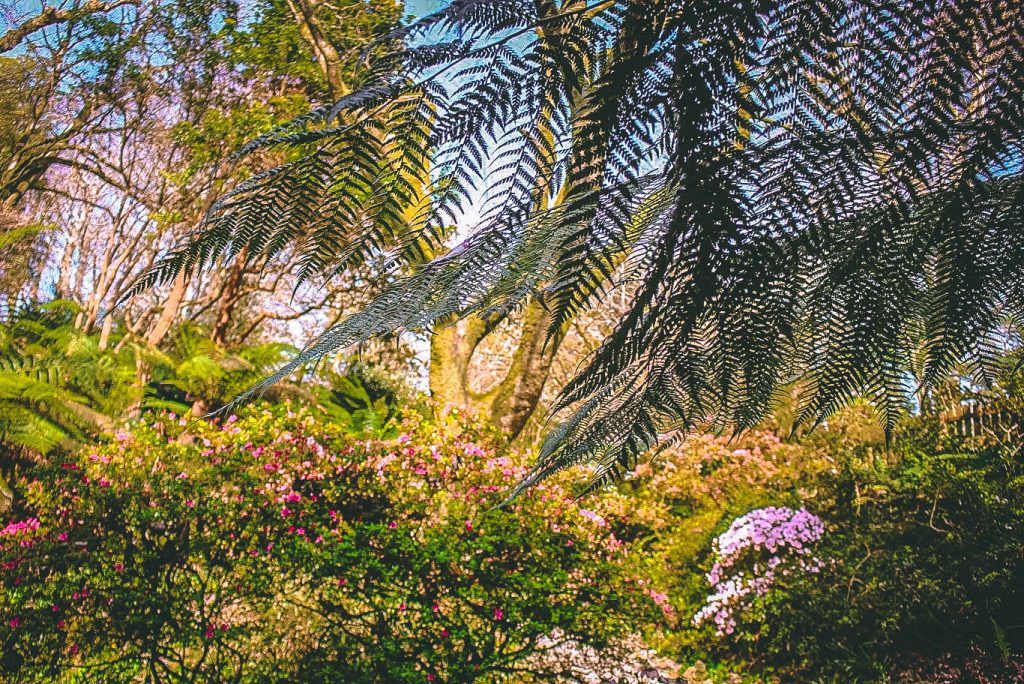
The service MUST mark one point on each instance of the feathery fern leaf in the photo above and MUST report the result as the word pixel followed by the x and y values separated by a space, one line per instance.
pixel 825 192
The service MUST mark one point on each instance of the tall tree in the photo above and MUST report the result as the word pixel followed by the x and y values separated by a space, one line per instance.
pixel 807 192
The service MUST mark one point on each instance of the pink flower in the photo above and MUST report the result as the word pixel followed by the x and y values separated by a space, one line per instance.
pixel 118 567
pixel 73 649
pixel 444 632
pixel 431 677
pixel 392 525
pixel 498 613
pixel 469 525
pixel 401 606
pixel 63 536
pixel 190 503
pixel 14 622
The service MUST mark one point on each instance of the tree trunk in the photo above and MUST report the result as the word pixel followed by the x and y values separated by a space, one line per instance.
pixel 512 400
pixel 229 295
pixel 163 324
pixel 326 54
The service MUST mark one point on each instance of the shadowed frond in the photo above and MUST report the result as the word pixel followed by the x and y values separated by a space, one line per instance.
pixel 819 192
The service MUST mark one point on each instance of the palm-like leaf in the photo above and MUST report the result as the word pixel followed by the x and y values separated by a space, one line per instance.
pixel 818 191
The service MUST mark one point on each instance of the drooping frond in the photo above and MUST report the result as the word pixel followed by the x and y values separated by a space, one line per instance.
pixel 819 192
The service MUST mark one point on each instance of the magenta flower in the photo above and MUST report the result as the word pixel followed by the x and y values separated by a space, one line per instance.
pixel 498 614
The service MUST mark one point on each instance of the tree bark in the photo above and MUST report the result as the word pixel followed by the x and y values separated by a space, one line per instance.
pixel 163 324
pixel 229 295
pixel 511 402
pixel 326 54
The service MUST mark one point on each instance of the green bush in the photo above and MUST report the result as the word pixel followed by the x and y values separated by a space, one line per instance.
pixel 279 548
pixel 922 558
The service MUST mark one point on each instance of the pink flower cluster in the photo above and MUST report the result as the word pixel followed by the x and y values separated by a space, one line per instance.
pixel 21 530
pixel 784 535
pixel 593 517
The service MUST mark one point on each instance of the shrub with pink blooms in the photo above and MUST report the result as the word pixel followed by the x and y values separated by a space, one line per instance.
pixel 759 547
pixel 277 547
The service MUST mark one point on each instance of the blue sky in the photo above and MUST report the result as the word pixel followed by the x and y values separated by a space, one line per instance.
pixel 419 8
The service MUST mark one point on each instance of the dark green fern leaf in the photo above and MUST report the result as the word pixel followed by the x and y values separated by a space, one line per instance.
pixel 821 194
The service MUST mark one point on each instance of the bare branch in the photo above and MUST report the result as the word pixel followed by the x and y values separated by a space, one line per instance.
pixel 51 16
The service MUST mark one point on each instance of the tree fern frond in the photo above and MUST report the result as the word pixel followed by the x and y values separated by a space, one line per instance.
pixel 820 194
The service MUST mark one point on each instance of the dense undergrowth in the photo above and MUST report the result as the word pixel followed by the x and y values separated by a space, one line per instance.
pixel 356 538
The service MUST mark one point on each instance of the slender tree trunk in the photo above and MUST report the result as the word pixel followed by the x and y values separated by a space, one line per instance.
pixel 163 323
pixel 108 325
pixel 326 54
pixel 229 295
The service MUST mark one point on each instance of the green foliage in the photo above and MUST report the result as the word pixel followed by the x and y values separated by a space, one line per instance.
pixel 921 556
pixel 279 548
pixel 56 385
pixel 59 388
pixel 363 397
pixel 201 371
pixel 273 44
pixel 218 133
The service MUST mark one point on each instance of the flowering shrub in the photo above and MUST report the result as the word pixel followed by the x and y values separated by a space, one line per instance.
pixel 279 548
pixel 924 572
pixel 748 557
pixel 707 481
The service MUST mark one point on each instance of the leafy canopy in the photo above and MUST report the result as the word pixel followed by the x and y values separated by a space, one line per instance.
pixel 824 192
